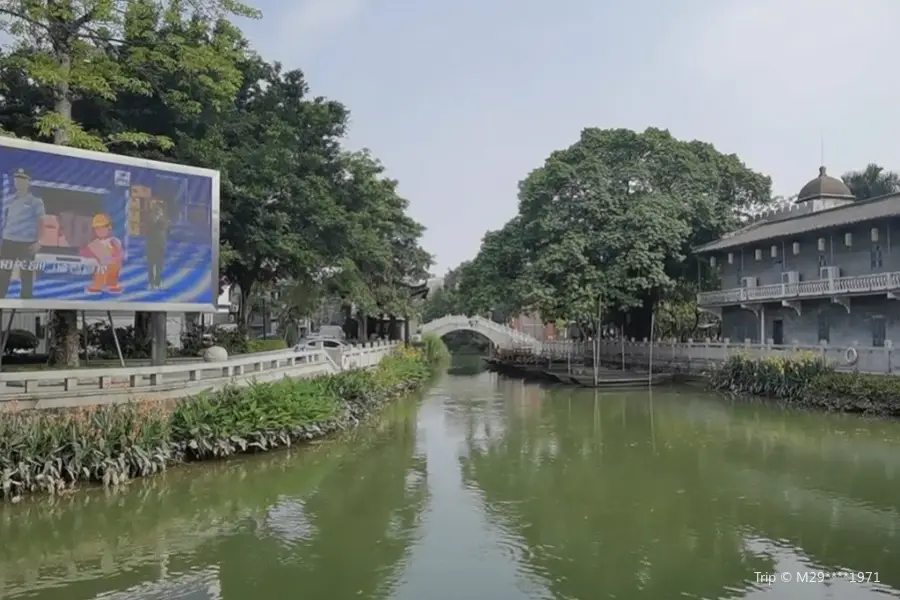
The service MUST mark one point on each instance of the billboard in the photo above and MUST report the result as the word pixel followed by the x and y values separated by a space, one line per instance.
pixel 88 230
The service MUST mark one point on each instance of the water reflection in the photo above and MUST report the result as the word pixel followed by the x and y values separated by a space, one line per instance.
pixel 335 521
pixel 493 488
pixel 466 364
pixel 659 495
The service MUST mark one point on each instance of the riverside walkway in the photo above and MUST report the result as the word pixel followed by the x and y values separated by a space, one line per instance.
pixel 105 385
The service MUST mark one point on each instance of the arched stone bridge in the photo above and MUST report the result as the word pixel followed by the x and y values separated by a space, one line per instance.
pixel 502 336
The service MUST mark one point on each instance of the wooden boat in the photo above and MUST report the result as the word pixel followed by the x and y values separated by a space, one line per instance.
pixel 618 380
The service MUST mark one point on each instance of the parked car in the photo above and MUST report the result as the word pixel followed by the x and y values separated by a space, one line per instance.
pixel 315 343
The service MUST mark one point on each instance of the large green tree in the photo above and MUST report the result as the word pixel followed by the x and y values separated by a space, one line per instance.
pixel 610 221
pixel 72 50
pixel 178 82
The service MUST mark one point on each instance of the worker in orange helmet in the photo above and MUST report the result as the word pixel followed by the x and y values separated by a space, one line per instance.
pixel 106 249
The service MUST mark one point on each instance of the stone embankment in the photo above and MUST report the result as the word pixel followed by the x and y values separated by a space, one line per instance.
pixel 53 451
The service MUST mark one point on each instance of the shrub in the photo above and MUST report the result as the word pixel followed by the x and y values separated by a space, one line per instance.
pixel 857 392
pixel 19 340
pixel 267 345
pixel 806 380
pixel 197 338
pixel 784 377
pixel 435 349
pixel 53 450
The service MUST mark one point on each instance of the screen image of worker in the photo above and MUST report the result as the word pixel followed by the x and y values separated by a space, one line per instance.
pixel 19 240
pixel 155 243
pixel 106 249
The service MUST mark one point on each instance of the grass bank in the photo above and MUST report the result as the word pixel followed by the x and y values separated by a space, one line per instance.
pixel 54 451
pixel 804 380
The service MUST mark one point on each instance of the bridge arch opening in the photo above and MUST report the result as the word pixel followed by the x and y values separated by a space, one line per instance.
pixel 500 335
pixel 468 341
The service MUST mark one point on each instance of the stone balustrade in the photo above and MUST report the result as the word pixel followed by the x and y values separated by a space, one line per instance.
pixel 88 386
pixel 699 355
pixel 502 336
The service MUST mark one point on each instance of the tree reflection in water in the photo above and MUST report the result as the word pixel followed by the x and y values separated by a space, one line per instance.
pixel 658 495
pixel 333 521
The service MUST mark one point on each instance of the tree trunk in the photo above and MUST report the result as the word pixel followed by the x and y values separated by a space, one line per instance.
pixel 63 323
pixel 143 330
pixel 244 311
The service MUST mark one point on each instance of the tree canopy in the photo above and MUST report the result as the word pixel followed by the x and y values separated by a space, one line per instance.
pixel 871 182
pixel 177 81
pixel 610 221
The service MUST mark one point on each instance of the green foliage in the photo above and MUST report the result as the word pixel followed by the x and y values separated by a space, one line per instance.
pixel 857 392
pixel 784 377
pixel 176 81
pixel 804 379
pixel 51 451
pixel 871 182
pixel 196 338
pixel 47 451
pixel 102 344
pixel 436 351
pixel 612 219
pixel 19 340
pixel 267 345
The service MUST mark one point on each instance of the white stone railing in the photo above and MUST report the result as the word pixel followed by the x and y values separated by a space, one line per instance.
pixel 820 288
pixel 78 387
pixel 696 356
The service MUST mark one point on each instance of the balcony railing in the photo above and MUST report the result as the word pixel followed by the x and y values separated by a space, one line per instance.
pixel 820 288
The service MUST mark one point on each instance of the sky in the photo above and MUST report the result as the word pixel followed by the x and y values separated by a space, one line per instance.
pixel 462 98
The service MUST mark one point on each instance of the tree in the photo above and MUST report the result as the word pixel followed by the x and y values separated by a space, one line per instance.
pixel 611 221
pixel 491 283
pixel 446 299
pixel 71 49
pixel 281 154
pixel 871 182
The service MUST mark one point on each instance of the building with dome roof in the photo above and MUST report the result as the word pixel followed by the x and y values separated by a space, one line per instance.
pixel 821 271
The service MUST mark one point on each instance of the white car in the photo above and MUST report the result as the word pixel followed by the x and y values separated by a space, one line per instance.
pixel 317 343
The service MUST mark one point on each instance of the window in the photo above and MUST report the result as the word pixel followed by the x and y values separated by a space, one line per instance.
pixel 39 332
pixel 824 327
pixel 879 331
pixel 331 344
pixel 823 260
pixel 875 258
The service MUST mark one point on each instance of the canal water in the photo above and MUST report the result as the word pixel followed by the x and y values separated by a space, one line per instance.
pixel 489 488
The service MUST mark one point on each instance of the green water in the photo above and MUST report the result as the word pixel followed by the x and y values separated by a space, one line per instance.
pixel 492 489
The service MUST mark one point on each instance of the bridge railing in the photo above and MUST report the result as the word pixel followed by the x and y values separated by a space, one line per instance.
pixel 74 387
pixel 516 338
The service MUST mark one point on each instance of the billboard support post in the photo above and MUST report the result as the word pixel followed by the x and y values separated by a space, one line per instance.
pixel 84 337
pixel 4 332
pixel 112 328
pixel 160 341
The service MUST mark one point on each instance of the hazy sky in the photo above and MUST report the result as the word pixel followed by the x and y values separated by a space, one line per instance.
pixel 462 98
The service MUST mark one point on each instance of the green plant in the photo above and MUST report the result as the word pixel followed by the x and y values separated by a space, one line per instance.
pixel 857 392
pixel 786 377
pixel 435 349
pixel 266 345
pixel 49 451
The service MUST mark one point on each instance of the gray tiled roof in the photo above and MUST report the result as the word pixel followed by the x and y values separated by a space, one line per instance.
pixel 858 212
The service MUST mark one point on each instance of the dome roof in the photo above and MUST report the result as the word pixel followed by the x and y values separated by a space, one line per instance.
pixel 825 186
